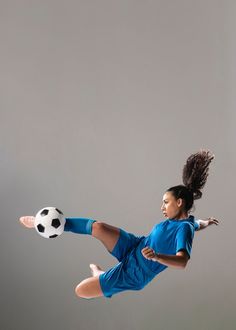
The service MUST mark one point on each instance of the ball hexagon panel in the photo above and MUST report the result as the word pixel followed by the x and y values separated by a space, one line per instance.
pixel 56 223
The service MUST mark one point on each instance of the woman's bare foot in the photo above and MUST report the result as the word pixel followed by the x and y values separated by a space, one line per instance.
pixel 27 221
pixel 96 270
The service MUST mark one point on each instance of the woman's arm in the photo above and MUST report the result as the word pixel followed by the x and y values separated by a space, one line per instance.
pixel 206 222
pixel 178 260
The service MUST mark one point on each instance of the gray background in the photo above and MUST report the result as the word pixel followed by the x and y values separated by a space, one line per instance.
pixel 101 103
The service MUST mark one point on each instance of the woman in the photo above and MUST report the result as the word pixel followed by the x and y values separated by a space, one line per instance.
pixel 141 258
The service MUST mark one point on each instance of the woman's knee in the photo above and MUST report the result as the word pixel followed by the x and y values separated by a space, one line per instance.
pixel 79 290
pixel 89 288
pixel 98 227
pixel 82 290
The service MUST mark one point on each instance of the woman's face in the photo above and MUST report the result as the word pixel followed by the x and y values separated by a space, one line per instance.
pixel 171 207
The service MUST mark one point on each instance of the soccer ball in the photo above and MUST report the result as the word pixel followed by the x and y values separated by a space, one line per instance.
pixel 49 222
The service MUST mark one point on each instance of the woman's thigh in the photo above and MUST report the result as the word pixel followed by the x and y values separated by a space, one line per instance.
pixel 126 242
pixel 106 234
pixel 117 241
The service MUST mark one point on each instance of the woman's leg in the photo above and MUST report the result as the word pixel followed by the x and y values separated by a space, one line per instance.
pixel 104 232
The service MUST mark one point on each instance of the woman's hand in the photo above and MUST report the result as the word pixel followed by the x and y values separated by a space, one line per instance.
pixel 211 221
pixel 207 222
pixel 149 253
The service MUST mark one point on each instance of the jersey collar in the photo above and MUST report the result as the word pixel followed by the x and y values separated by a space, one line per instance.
pixel 190 218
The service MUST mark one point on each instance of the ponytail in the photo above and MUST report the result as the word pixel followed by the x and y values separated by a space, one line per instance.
pixel 194 175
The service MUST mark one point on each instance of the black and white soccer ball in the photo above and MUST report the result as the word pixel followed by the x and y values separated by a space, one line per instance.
pixel 49 222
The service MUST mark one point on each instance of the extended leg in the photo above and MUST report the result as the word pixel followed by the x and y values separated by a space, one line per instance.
pixel 104 232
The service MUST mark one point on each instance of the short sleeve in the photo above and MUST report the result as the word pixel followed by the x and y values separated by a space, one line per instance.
pixel 196 225
pixel 184 238
pixel 195 222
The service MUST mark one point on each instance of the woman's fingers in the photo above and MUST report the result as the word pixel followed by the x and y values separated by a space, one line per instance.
pixel 146 248
pixel 148 252
pixel 213 220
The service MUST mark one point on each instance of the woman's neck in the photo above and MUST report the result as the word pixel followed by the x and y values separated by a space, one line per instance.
pixel 182 216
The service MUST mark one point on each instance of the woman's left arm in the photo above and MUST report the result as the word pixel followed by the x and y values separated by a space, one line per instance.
pixel 206 222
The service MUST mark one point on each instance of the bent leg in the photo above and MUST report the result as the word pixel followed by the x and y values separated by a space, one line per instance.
pixel 89 288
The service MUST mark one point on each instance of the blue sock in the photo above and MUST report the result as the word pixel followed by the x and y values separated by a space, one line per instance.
pixel 79 225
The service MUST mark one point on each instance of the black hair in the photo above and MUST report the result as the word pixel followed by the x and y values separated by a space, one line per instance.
pixel 195 173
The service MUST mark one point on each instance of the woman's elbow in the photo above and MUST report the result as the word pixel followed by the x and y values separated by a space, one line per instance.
pixel 184 264
pixel 183 258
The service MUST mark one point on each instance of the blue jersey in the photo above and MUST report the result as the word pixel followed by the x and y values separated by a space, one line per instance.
pixel 167 237
pixel 134 271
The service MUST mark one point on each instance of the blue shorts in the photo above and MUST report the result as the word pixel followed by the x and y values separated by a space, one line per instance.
pixel 128 273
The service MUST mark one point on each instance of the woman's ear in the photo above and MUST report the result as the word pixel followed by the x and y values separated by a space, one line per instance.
pixel 180 202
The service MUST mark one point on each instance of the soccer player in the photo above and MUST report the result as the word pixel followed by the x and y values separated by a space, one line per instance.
pixel 141 258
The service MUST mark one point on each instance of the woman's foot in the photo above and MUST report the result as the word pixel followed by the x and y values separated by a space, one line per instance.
pixel 27 221
pixel 96 270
